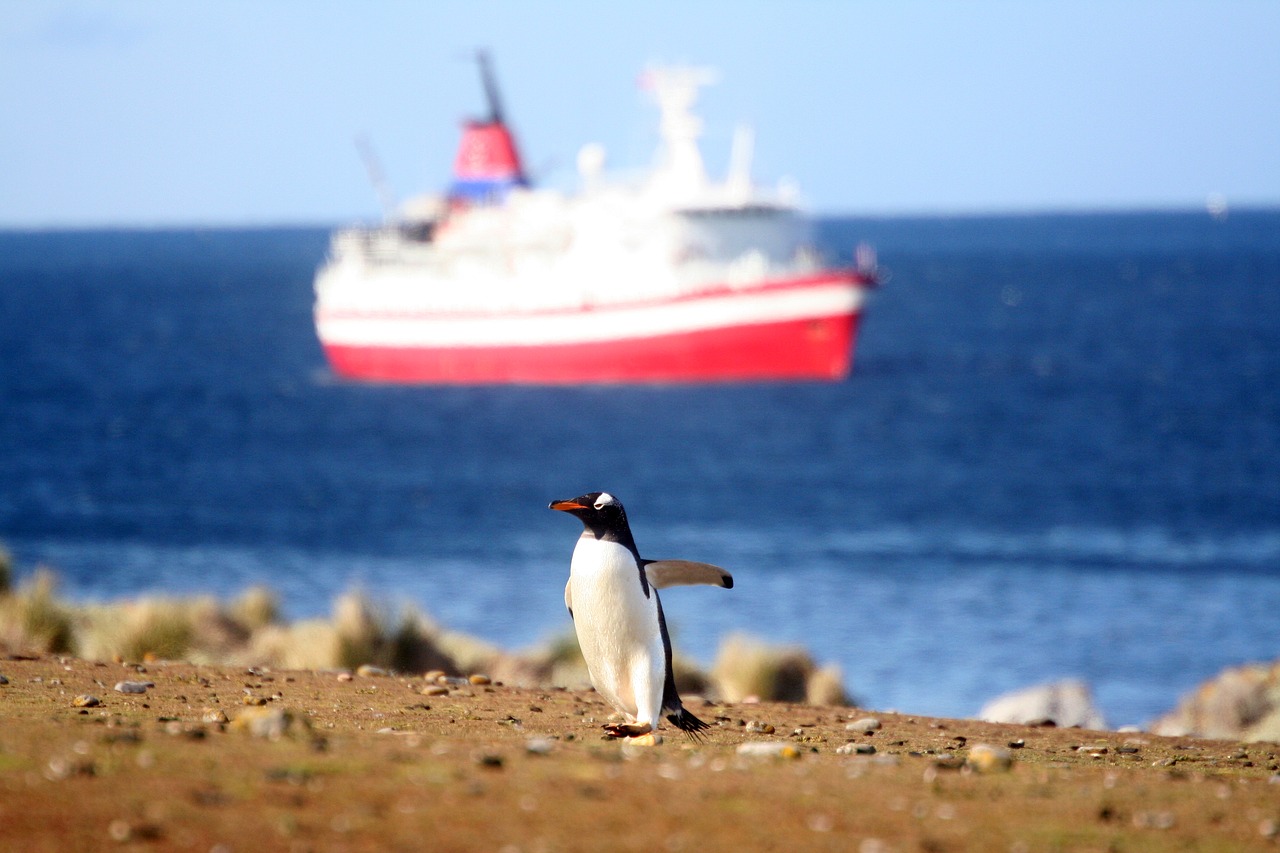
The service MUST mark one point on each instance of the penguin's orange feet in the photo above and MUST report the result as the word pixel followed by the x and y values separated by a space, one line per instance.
pixel 627 729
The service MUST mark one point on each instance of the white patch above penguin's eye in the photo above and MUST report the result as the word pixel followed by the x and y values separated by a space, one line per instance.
pixel 605 500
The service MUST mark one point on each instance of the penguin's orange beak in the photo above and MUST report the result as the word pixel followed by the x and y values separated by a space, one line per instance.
pixel 570 504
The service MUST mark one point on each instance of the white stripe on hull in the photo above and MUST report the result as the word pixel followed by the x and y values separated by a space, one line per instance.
pixel 590 325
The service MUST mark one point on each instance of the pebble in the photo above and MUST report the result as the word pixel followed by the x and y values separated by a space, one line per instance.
pixel 435 690
pixel 538 745
pixel 345 676
pixel 215 715
pixel 86 701
pixel 856 749
pixel 133 686
pixel 985 758
pixel 760 727
pixel 647 739
pixel 434 675
pixel 370 671
pixel 479 680
pixel 768 749
pixel 3 680
pixel 866 724
pixel 271 723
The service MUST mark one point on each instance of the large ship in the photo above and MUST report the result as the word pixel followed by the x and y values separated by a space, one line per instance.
pixel 670 278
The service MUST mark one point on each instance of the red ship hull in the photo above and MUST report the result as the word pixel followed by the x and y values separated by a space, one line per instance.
pixel 765 347
pixel 803 349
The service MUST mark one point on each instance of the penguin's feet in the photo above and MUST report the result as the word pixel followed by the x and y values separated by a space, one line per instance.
pixel 627 729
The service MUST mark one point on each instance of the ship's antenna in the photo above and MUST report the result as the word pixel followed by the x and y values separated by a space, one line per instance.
pixel 490 88
pixel 372 165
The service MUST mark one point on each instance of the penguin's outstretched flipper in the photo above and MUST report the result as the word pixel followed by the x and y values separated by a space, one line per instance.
pixel 668 573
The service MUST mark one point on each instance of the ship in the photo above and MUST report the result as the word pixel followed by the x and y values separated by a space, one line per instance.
pixel 665 277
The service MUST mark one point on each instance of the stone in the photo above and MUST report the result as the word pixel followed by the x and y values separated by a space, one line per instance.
pixel 866 724
pixel 370 671
pixel 538 745
pixel 1240 703
pixel 986 758
pixel 133 686
pixel 3 681
pixel 214 716
pixel 856 749
pixel 768 749
pixel 86 701
pixel 1065 703
pixel 273 723
pixel 479 680
pixel 435 690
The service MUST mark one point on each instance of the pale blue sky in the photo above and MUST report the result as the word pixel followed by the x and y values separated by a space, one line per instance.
pixel 154 113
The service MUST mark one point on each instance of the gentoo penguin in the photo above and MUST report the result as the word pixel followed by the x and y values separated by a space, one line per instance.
pixel 612 596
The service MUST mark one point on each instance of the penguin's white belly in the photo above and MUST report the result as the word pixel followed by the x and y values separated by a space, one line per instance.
pixel 617 627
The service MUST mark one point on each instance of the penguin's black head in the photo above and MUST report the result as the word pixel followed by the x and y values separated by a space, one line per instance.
pixel 600 512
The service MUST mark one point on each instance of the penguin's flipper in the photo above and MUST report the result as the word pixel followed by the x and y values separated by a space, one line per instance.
pixel 568 598
pixel 665 573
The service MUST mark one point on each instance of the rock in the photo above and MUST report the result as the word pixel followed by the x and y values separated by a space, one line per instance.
pixel 271 723
pixel 133 686
pixel 214 716
pixel 538 745
pixel 856 749
pixel 86 701
pixel 768 749
pixel 3 680
pixel 435 690
pixel 866 724
pixel 760 727
pixel 1241 703
pixel 989 759
pixel 1064 703
pixel 370 671
pixel 479 680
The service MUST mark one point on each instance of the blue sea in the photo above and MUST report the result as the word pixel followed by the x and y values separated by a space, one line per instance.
pixel 1058 456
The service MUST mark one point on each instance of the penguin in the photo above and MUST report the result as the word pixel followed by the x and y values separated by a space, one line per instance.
pixel 612 598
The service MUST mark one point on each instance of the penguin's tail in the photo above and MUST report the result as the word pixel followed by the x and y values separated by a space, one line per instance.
pixel 687 723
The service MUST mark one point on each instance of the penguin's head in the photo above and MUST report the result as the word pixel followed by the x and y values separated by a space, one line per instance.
pixel 598 511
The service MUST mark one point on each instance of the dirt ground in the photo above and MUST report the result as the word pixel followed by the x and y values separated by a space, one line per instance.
pixel 226 759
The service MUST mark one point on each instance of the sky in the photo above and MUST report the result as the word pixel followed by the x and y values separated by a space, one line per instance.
pixel 244 112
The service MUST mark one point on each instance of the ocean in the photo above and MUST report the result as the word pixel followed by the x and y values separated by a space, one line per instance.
pixel 1058 456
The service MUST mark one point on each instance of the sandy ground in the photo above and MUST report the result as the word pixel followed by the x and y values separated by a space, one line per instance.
pixel 226 759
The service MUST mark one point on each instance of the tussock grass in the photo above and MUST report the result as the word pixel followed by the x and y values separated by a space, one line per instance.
pixel 248 631
pixel 749 668
pixel 33 618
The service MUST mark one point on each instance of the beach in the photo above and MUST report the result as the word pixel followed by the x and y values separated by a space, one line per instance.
pixel 230 758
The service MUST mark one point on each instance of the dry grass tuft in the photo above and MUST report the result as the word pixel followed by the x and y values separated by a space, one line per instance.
pixel 33 618
pixel 748 668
